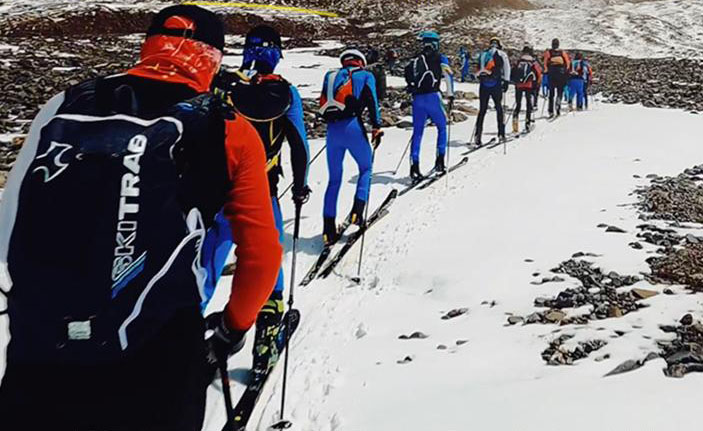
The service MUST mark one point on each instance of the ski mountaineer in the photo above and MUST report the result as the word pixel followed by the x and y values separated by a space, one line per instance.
pixel 275 108
pixel 556 63
pixel 423 75
pixel 465 59
pixel 578 74
pixel 346 94
pixel 494 77
pixel 104 301
pixel 378 69
pixel 588 81
pixel 526 75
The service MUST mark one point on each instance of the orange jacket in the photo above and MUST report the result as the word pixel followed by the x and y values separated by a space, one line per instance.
pixel 248 205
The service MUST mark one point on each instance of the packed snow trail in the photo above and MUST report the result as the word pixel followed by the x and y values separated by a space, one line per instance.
pixel 458 247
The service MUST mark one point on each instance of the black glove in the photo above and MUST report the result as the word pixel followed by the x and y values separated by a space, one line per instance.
pixel 376 135
pixel 301 195
pixel 224 342
pixel 506 84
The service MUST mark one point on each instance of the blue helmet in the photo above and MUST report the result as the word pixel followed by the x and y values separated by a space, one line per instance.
pixel 263 49
pixel 429 39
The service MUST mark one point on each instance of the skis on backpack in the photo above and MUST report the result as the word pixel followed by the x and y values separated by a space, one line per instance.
pixel 377 215
pixel 247 403
pixel 326 251
pixel 434 178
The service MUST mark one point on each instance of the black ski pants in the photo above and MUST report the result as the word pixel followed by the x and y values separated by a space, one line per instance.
pixel 557 81
pixel 160 388
pixel 485 94
pixel 529 96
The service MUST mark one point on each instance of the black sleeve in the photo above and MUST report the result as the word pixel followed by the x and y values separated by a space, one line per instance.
pixel 368 100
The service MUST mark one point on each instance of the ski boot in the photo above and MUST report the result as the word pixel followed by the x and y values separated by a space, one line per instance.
pixel 357 213
pixel 330 233
pixel 415 174
pixel 439 166
pixel 528 125
pixel 268 326
pixel 501 138
pixel 516 124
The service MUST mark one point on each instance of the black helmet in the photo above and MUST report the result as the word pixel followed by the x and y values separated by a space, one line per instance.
pixel 495 40
pixel 263 35
pixel 555 43
pixel 203 25
pixel 527 49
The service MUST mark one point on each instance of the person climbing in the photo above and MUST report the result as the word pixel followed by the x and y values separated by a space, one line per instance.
pixel 423 76
pixel 557 64
pixel 274 107
pixel 526 75
pixel 346 94
pixel 494 76
pixel 465 59
pixel 132 169
pixel 578 74
pixel 391 59
pixel 588 80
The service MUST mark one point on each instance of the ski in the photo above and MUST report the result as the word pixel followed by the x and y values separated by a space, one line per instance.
pixel 436 177
pixel 245 407
pixel 415 183
pixel 478 147
pixel 322 258
pixel 377 215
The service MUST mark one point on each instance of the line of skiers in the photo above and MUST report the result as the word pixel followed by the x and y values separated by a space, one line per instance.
pixel 131 189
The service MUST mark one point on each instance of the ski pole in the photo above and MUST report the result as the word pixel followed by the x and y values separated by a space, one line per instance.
pixel 449 144
pixel 357 279
pixel 284 424
pixel 222 365
pixel 400 162
pixel 290 186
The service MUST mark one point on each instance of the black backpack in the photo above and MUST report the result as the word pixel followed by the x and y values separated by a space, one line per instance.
pixel 522 72
pixel 424 73
pixel 111 213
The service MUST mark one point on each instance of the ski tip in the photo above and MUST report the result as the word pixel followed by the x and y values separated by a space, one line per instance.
pixel 282 425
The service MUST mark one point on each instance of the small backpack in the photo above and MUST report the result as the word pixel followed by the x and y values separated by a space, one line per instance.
pixel 424 73
pixel 103 251
pixel 522 72
pixel 339 102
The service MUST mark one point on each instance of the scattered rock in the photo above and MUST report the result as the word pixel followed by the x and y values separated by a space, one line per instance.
pixel 414 336
pixel 686 320
pixel 668 291
pixel 554 316
pixel 441 347
pixel 405 360
pixel 636 245
pixel 644 293
pixel 557 354
pixel 625 367
pixel 514 320
pixel 602 358
pixel 615 229
pixel 461 342
pixel 455 313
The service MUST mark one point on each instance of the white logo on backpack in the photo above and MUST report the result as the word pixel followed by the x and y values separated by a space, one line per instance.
pixel 129 191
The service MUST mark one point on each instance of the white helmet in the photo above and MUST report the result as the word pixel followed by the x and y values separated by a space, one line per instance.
pixel 351 54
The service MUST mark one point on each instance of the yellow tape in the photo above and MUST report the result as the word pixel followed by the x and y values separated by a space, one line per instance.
pixel 264 6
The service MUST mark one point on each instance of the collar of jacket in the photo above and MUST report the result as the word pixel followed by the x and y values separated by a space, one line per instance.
pixel 178 60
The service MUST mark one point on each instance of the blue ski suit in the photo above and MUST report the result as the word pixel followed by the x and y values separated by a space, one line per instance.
pixel 348 134
pixel 427 101
pixel 291 127
pixel 577 82
pixel 465 57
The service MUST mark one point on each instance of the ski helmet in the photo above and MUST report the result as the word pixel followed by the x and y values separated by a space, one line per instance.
pixel 555 43
pixel 352 57
pixel 430 40
pixel 263 48
pixel 495 42
pixel 527 49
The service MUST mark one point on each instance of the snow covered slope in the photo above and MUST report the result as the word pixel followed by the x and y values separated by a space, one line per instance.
pixel 475 244
pixel 641 29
